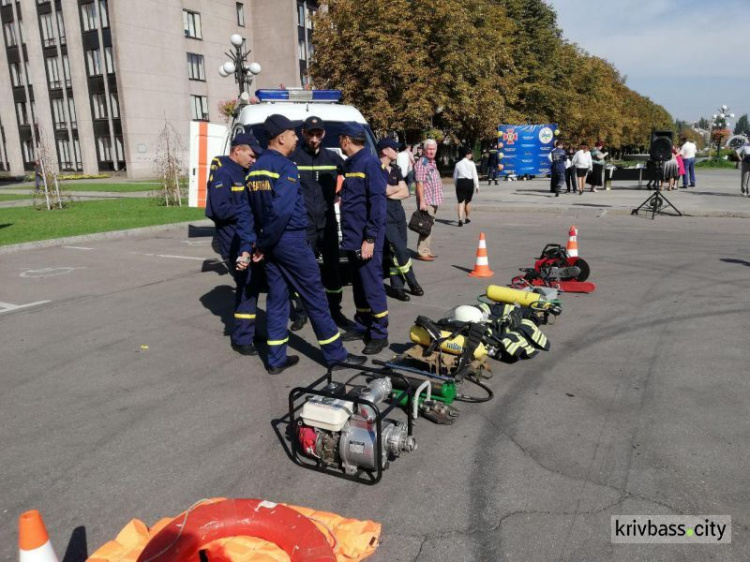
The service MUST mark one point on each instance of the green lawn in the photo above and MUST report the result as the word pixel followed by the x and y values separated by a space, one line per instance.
pixel 110 187
pixel 13 197
pixel 27 224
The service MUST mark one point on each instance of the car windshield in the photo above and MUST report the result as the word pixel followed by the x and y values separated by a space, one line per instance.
pixel 331 140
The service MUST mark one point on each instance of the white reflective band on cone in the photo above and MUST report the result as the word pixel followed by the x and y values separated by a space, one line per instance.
pixel 44 553
pixel 482 260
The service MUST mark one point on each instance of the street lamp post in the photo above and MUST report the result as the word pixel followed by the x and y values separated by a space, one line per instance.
pixel 720 123
pixel 237 64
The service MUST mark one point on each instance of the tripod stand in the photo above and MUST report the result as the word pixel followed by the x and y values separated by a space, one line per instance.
pixel 656 202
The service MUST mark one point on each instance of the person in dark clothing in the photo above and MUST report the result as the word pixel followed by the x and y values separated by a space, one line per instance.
pixel 396 258
pixel 558 157
pixel 319 172
pixel 493 160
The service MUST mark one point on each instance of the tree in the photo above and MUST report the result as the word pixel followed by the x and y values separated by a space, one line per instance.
pixel 743 125
pixel 704 124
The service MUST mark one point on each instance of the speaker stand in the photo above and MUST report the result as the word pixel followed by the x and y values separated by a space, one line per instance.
pixel 656 203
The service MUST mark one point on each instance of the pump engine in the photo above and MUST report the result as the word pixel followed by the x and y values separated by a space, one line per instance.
pixel 339 429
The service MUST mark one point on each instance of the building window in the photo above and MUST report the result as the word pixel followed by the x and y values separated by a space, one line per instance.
pixel 196 71
pixel 15 74
pixel 58 113
pixel 66 71
pixel 109 59
pixel 301 45
pixel 94 62
pixel 115 106
pixel 104 145
pixel 28 151
pixel 192 24
pixel 99 106
pixel 23 118
pixel 48 30
pixel 118 149
pixel 69 160
pixel 9 30
pixel 61 28
pixel 240 14
pixel 103 13
pixel 199 108
pixel 53 73
pixel 72 112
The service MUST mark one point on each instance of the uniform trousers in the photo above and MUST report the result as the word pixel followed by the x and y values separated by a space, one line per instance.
pixel 745 177
pixel 292 265
pixel 369 296
pixel 246 291
pixel 397 254
pixel 326 242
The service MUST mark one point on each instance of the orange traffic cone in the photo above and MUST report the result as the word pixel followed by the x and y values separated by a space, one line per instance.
pixel 482 266
pixel 33 541
pixel 572 247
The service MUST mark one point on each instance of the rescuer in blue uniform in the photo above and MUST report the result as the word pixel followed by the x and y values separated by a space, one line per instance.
pixel 319 171
pixel 278 206
pixel 363 224
pixel 225 192
pixel 397 258
pixel 558 157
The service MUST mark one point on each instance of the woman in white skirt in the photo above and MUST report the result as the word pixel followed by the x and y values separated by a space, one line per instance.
pixel 583 165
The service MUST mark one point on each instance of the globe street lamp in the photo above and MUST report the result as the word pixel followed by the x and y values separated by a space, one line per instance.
pixel 721 123
pixel 237 64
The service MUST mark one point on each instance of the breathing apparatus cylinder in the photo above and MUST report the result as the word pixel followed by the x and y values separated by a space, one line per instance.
pixel 454 345
pixel 508 295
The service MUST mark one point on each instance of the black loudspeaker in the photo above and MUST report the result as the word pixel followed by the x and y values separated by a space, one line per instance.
pixel 661 146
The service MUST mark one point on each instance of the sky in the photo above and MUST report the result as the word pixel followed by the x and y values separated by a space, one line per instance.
pixel 690 56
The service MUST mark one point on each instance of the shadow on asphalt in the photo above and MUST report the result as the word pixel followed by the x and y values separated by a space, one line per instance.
pixel 77 550
pixel 466 269
pixel 733 260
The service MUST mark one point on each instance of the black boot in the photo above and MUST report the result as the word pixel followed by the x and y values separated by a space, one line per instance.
pixel 374 346
pixel 291 361
pixel 350 361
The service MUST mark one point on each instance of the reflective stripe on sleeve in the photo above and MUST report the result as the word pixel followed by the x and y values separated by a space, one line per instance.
pixel 244 316
pixel 263 173
pixel 356 175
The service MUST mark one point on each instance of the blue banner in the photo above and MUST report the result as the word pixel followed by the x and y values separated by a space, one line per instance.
pixel 523 149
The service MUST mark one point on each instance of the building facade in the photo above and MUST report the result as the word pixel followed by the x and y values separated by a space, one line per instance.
pixel 94 82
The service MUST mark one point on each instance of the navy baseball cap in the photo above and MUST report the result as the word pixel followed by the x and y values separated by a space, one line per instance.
pixel 250 140
pixel 276 124
pixel 387 143
pixel 314 123
pixel 353 130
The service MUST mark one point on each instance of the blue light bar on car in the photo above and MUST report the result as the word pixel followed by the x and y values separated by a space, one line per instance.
pixel 319 96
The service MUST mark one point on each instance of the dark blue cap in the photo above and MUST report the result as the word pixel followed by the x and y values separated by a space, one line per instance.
pixel 314 123
pixel 276 124
pixel 353 130
pixel 387 143
pixel 250 140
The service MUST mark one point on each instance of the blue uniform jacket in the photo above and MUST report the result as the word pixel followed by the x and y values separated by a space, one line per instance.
pixel 318 174
pixel 276 200
pixel 226 200
pixel 363 201
pixel 559 156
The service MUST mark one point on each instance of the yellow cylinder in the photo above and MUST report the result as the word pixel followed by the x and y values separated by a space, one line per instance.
pixel 506 294
pixel 454 346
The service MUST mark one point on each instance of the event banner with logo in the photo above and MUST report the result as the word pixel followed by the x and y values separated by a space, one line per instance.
pixel 523 149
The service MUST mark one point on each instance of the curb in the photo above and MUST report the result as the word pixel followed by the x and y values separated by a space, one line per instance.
pixel 109 235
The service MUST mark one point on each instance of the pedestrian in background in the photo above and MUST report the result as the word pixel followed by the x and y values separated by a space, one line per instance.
pixel 595 178
pixel 38 176
pixel 688 152
pixel 405 162
pixel 278 207
pixel 429 194
pixel 493 161
pixel 743 153
pixel 570 171
pixel 466 180
pixel 225 195
pixel 396 254
pixel 363 225
pixel 582 163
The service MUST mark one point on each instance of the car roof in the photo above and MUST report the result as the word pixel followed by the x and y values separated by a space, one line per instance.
pixel 257 113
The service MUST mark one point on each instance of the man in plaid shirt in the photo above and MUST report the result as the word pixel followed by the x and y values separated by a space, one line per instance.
pixel 429 193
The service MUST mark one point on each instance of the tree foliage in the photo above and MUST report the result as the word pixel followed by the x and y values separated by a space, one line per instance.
pixel 743 125
pixel 458 68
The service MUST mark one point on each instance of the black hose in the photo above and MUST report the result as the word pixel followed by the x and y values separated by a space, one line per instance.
pixel 476 399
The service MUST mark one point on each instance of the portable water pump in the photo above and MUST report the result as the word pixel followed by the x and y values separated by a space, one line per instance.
pixel 347 431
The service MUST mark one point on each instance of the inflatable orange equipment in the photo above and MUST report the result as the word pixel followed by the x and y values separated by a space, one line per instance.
pixel 244 530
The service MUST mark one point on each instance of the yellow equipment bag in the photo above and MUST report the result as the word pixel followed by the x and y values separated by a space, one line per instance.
pixel 454 345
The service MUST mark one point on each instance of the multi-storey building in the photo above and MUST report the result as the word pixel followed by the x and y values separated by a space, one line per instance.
pixel 95 81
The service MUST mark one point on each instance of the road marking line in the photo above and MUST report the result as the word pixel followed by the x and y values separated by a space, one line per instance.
pixel 77 248
pixel 8 307
pixel 48 271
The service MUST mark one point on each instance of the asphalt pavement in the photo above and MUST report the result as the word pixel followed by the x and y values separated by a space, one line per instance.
pixel 122 398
